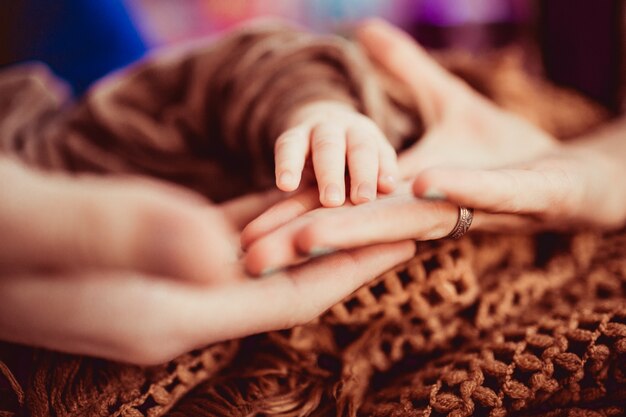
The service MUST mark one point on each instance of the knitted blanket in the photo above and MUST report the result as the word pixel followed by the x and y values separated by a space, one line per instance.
pixel 490 325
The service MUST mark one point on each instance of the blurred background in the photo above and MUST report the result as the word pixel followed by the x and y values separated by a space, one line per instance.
pixel 579 43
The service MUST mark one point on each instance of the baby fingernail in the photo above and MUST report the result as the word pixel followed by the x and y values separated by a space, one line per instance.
pixel 320 251
pixel 389 179
pixel 434 194
pixel 366 192
pixel 286 178
pixel 332 194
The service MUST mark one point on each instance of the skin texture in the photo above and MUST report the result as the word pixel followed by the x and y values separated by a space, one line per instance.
pixel 473 154
pixel 138 271
pixel 513 172
pixel 332 135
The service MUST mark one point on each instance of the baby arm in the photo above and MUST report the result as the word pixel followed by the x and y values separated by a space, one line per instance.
pixel 209 117
pixel 331 135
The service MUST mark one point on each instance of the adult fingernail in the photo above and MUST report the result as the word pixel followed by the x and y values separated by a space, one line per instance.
pixel 366 192
pixel 319 251
pixel 270 271
pixel 434 194
pixel 286 178
pixel 332 194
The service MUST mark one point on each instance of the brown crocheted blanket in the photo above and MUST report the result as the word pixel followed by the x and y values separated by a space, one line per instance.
pixel 490 325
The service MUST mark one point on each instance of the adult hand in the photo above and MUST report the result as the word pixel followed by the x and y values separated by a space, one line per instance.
pixel 574 186
pixel 145 319
pixel 463 129
pixel 298 228
pixel 81 272
pixel 545 184
pixel 54 221
pixel 541 184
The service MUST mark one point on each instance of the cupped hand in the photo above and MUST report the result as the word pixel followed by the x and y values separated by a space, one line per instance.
pixel 53 221
pixel 463 128
pixel 139 271
pixel 146 319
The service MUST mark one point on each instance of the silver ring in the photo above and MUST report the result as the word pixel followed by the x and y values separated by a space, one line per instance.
pixel 463 223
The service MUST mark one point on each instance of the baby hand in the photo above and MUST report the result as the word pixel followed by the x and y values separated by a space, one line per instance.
pixel 332 133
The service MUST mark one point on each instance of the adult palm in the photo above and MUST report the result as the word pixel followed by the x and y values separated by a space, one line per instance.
pixel 463 129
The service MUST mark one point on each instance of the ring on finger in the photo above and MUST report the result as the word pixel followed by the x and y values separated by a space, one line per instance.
pixel 463 223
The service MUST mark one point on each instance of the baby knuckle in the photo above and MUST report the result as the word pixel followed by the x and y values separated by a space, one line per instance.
pixel 388 150
pixel 280 144
pixel 363 148
pixel 332 128
pixel 286 140
pixel 375 131
pixel 326 143
pixel 366 129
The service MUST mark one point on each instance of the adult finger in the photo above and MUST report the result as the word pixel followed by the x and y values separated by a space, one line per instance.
pixel 430 84
pixel 277 249
pixel 58 221
pixel 146 320
pixel 328 148
pixel 290 153
pixel 513 191
pixel 388 219
pixel 242 210
pixel 278 215
pixel 325 230
pixel 308 290
pixel 363 156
